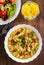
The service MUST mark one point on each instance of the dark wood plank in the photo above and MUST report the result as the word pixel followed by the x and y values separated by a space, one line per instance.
pixel 38 23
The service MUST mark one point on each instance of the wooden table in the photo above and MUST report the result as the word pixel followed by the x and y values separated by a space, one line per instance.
pixel 38 23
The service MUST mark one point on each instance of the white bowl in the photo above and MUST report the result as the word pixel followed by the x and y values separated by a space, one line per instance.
pixel 18 3
pixel 17 59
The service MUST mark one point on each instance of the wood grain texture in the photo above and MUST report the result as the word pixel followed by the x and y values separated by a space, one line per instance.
pixel 38 23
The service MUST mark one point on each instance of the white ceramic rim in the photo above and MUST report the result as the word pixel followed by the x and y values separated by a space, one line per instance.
pixel 9 53
pixel 18 3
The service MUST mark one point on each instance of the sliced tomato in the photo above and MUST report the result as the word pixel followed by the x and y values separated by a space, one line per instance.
pixel 20 54
pixel 12 1
pixel 3 13
pixel 0 13
pixel 14 50
pixel 27 53
pixel 2 1
pixel 34 40
pixel 23 47
pixel 18 32
pixel 28 34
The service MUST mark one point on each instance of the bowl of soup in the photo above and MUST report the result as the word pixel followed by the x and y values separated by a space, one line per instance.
pixel 23 43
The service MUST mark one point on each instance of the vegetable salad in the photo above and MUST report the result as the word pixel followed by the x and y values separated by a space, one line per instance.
pixel 7 8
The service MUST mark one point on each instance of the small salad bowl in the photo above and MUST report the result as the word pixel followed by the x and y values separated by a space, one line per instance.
pixel 18 7
pixel 18 59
